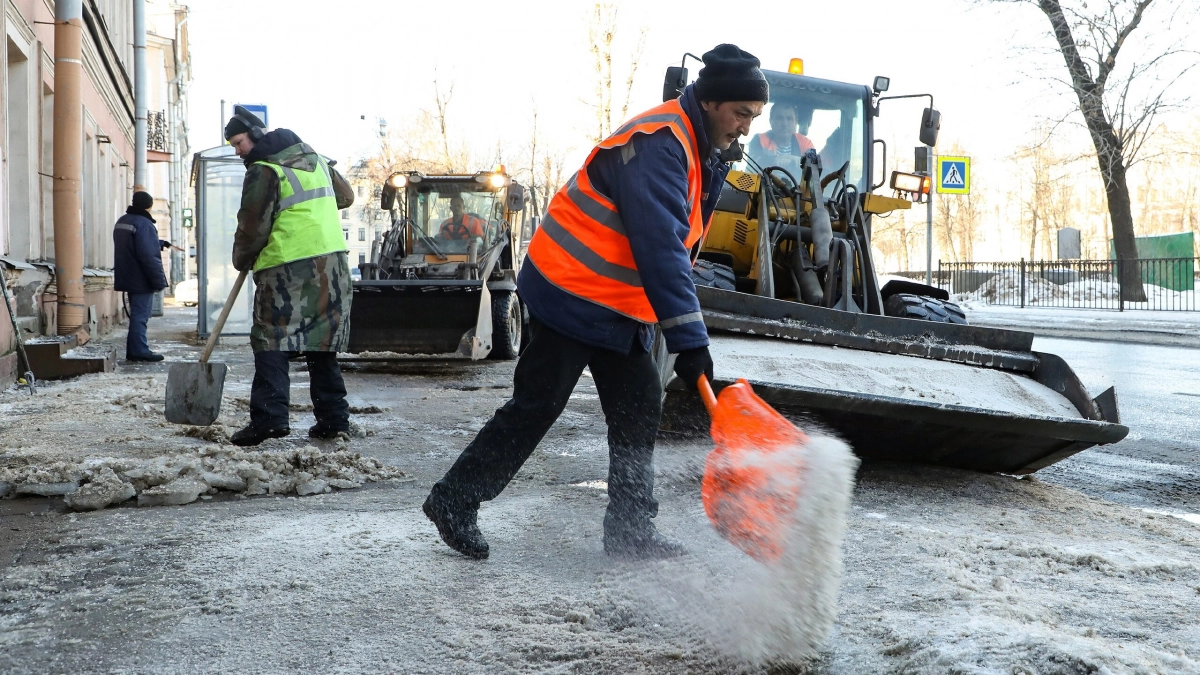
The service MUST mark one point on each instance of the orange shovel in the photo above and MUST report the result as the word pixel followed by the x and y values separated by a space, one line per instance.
pixel 754 475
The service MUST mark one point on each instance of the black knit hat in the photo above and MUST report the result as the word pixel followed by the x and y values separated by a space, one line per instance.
pixel 730 74
pixel 142 200
pixel 241 122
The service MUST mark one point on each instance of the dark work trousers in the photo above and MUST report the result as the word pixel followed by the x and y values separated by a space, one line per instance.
pixel 140 306
pixel 269 392
pixel 630 395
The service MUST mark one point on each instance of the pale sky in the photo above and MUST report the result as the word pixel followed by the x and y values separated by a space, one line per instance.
pixel 320 66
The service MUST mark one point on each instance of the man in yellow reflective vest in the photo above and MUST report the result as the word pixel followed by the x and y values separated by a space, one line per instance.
pixel 612 258
pixel 290 234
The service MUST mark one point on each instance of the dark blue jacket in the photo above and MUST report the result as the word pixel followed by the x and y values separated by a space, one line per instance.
pixel 137 260
pixel 650 191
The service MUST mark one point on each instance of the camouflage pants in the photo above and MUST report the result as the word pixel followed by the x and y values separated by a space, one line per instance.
pixel 303 305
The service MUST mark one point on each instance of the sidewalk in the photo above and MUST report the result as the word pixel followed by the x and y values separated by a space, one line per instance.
pixel 1180 329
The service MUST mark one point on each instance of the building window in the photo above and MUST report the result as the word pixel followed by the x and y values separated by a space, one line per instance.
pixel 362 259
pixel 345 214
pixel 346 234
pixel 362 234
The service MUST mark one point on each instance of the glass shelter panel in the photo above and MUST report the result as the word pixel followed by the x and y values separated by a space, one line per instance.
pixel 218 175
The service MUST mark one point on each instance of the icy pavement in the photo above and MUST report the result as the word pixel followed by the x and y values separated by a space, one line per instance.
pixel 944 571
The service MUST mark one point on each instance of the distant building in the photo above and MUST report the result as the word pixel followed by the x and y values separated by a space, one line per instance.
pixel 363 222
pixel 27 148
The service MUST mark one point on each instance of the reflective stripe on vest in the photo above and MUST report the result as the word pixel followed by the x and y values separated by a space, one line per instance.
pixel 582 247
pixel 126 227
pixel 768 144
pixel 308 224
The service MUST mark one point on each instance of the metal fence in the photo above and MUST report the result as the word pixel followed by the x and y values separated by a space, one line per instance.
pixel 1168 284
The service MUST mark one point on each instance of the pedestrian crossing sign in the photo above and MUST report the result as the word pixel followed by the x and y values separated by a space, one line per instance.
pixel 954 175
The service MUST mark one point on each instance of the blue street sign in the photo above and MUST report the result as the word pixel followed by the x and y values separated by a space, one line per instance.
pixel 259 110
pixel 954 175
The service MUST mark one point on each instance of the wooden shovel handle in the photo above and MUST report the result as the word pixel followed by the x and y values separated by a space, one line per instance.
pixel 216 331
pixel 706 393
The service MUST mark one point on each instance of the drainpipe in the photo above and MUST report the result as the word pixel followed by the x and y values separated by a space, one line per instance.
pixel 139 93
pixel 68 147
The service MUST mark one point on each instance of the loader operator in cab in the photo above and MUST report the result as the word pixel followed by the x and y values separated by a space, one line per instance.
pixel 289 233
pixel 613 258
pixel 783 142
pixel 461 225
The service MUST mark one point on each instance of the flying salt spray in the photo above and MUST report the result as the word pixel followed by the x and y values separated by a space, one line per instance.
pixel 782 497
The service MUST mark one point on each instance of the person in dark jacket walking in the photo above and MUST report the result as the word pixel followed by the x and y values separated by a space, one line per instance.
pixel 138 270
pixel 612 258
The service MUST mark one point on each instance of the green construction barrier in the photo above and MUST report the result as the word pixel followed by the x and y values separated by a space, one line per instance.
pixel 1177 275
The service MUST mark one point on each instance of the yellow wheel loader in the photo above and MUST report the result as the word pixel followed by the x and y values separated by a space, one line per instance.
pixel 443 279
pixel 791 298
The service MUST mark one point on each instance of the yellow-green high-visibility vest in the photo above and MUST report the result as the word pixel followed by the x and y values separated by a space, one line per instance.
pixel 308 223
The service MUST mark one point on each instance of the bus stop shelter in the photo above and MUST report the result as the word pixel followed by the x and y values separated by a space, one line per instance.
pixel 217 175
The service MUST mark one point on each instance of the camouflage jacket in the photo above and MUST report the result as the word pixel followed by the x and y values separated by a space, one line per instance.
pixel 303 305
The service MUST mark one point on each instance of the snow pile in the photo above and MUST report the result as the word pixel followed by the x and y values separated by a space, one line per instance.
pixel 180 478
pixel 1005 289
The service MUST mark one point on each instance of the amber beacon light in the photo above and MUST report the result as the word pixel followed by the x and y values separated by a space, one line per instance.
pixel 796 66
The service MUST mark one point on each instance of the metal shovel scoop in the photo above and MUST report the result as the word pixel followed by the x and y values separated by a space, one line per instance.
pixel 194 389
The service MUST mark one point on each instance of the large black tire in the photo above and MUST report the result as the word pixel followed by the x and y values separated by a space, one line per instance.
pixel 923 308
pixel 714 275
pixel 507 326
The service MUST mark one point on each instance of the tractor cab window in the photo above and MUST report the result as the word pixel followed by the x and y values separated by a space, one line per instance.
pixel 805 113
pixel 452 216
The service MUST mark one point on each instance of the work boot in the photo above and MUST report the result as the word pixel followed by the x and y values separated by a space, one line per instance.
pixel 253 435
pixel 148 356
pixel 642 541
pixel 457 527
pixel 325 433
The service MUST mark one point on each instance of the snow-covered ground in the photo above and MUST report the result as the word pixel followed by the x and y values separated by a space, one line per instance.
pixel 945 571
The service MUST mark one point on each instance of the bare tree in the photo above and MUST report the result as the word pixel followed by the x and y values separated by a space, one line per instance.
pixel 442 102
pixel 1042 171
pixel 1090 37
pixel 602 45
pixel 602 28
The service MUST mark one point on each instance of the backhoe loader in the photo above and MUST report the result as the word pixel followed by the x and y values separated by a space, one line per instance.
pixel 443 279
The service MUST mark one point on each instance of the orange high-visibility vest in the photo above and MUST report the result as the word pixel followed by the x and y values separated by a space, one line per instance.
pixel 802 142
pixel 464 227
pixel 582 247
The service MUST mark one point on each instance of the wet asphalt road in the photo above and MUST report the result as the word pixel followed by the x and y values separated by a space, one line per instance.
pixel 1158 392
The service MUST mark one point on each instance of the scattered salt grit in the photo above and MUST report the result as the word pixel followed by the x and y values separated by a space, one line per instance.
pixel 777 612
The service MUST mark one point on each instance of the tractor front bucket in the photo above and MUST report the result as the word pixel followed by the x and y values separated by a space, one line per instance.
pixel 421 317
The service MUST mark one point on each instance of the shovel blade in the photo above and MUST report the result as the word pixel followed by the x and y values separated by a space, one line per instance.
pixel 194 393
pixel 753 478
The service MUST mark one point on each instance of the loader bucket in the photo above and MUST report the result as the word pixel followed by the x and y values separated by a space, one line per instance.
pixel 420 317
